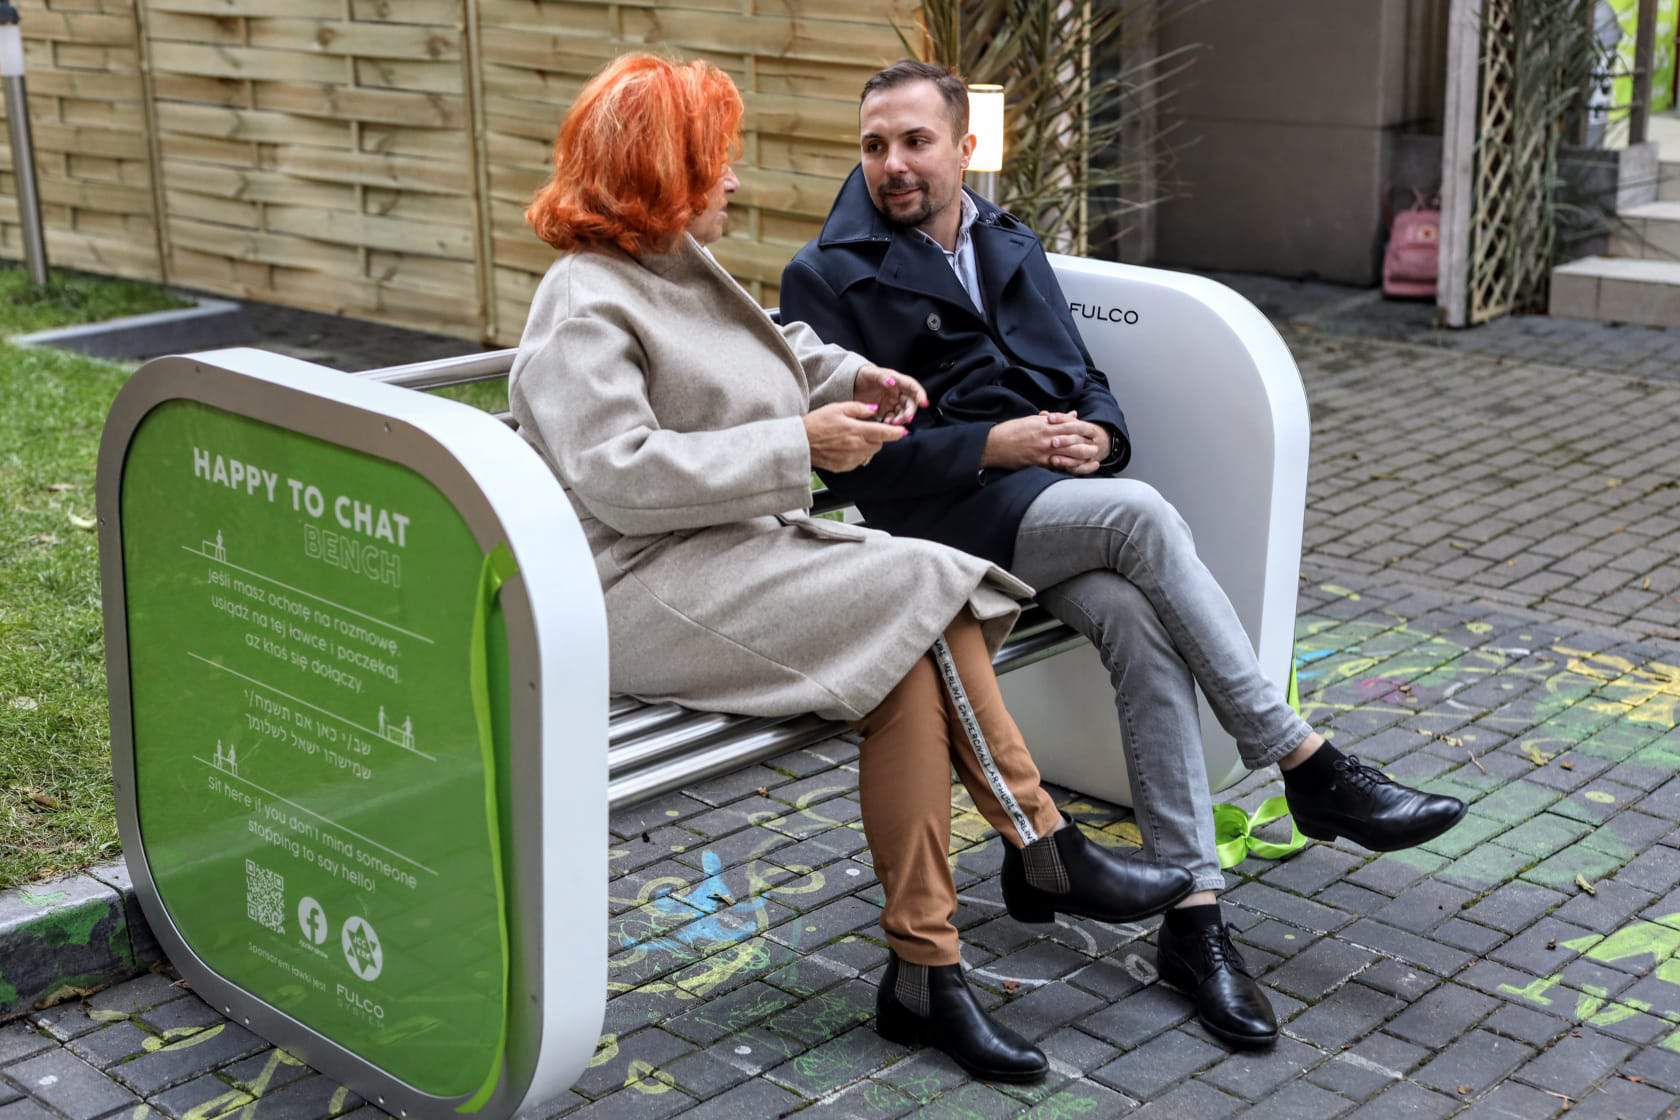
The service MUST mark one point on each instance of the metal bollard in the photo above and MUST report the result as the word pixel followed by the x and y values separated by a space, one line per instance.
pixel 23 147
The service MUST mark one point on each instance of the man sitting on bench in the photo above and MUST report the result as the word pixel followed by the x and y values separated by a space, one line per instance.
pixel 1018 461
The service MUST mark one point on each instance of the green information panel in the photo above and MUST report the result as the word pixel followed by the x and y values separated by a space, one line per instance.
pixel 306 627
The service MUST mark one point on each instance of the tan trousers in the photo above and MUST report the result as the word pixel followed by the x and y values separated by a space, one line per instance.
pixel 947 711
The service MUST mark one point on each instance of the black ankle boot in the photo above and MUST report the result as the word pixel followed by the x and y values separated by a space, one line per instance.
pixel 1200 960
pixel 1343 796
pixel 958 1025
pixel 1101 884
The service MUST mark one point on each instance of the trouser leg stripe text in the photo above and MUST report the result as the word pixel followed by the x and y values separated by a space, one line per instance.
pixel 977 740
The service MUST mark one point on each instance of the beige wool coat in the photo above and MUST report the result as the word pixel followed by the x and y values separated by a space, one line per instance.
pixel 669 405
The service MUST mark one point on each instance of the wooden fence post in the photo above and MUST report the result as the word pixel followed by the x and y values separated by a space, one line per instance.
pixel 1458 158
pixel 485 257
pixel 148 98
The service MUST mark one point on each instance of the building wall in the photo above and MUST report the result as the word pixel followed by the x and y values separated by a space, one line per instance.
pixel 1295 121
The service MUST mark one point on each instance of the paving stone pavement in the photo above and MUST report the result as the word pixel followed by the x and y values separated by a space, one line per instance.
pixel 1338 310
pixel 1531 485
pixel 1523 965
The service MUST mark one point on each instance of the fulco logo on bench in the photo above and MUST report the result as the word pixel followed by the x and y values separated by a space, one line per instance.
pixel 1106 314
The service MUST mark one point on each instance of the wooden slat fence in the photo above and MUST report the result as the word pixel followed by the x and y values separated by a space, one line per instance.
pixel 318 153
pixel 87 107
pixel 374 157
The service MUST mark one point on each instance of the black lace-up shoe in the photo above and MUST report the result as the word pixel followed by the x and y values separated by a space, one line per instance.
pixel 1091 882
pixel 957 1024
pixel 1205 965
pixel 1368 807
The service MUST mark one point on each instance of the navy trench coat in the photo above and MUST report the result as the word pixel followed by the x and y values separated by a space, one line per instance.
pixel 890 295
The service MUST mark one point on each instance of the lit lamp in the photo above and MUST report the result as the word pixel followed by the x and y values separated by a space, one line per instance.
pixel 985 120
pixel 23 149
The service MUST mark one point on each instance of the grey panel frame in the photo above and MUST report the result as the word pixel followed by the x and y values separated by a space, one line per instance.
pixel 187 378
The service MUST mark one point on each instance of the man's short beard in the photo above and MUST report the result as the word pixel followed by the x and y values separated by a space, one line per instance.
pixel 921 214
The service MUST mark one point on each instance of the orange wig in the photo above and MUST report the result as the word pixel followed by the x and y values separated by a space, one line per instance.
pixel 642 145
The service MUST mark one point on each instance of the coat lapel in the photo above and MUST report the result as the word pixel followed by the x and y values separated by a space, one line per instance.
pixel 916 266
pixel 1000 253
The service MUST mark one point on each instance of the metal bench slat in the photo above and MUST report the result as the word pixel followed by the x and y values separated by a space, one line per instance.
pixel 724 758
pixel 699 729
pixel 1034 648
pixel 643 718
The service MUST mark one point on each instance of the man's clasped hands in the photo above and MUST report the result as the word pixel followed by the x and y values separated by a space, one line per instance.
pixel 847 435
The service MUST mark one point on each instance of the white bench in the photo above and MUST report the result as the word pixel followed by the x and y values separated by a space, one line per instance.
pixel 1219 419
pixel 1219 422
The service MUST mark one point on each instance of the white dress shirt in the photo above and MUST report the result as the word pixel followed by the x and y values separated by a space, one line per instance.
pixel 961 259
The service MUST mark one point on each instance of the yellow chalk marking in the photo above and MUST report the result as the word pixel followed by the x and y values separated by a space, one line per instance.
pixel 605 1050
pixel 644 1078
pixel 187 1037
pixel 218 1105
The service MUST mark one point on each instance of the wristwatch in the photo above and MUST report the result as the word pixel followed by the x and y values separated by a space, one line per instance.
pixel 1116 447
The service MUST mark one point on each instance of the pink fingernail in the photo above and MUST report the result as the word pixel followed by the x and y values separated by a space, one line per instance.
pixel 892 381
pixel 874 407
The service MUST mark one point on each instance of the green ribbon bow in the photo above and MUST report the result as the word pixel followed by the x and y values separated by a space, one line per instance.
pixel 1233 832
pixel 1233 829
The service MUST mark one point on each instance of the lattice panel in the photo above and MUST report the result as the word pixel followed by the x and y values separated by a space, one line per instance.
pixel 799 65
pixel 1512 238
pixel 319 154
pixel 87 111
pixel 1490 281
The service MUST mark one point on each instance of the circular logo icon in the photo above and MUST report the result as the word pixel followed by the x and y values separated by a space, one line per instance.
pixel 312 920
pixel 933 321
pixel 362 951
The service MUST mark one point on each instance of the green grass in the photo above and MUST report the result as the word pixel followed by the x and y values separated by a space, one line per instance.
pixel 491 396
pixel 56 812
pixel 73 298
pixel 56 808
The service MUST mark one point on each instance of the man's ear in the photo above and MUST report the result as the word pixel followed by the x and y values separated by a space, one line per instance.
pixel 967 146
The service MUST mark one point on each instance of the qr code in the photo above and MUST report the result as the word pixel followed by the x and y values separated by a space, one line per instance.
pixel 265 897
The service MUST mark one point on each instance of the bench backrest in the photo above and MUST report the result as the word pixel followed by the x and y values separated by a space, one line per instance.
pixel 1219 425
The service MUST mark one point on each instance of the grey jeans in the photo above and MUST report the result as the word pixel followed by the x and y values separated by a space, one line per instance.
pixel 1114 560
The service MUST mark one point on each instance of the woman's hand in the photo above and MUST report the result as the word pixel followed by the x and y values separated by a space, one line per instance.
pixel 897 395
pixel 845 436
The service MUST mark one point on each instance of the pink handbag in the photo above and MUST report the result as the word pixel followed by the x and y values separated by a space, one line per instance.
pixel 1412 261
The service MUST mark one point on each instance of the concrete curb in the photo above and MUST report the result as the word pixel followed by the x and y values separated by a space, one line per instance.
pixel 64 935
pixel 205 325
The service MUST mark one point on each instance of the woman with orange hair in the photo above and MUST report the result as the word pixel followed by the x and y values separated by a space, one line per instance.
pixel 684 424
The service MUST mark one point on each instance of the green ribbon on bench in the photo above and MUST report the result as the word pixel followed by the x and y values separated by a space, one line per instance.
pixel 499 567
pixel 1233 832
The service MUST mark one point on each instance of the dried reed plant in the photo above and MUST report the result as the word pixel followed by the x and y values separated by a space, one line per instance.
pixel 1085 87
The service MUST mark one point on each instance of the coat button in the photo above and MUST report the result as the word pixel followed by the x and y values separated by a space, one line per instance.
pixel 933 321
